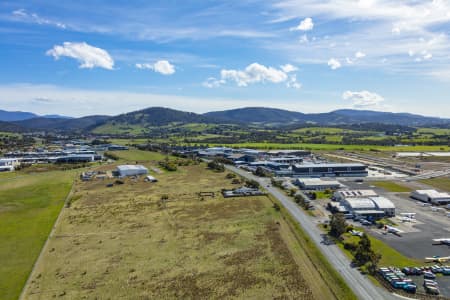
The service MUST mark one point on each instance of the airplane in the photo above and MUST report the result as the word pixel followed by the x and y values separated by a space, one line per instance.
pixel 392 229
pixel 408 215
pixel 442 241
pixel 356 232
pixel 407 219
pixel 437 259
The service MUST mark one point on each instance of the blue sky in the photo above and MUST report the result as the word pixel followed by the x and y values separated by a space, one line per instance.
pixel 107 57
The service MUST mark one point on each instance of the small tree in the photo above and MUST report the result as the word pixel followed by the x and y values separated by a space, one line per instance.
pixel 252 184
pixel 363 251
pixel 230 176
pixel 292 192
pixel 337 224
pixel 276 206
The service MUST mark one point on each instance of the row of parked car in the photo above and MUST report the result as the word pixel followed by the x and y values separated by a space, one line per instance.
pixel 398 280
pixel 431 287
pixel 445 270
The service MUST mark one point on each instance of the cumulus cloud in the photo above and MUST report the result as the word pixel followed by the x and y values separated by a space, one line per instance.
pixel 363 99
pixel 255 73
pixel 287 68
pixel 161 66
pixel 23 15
pixel 334 63
pixel 293 83
pixel 360 54
pixel 89 56
pixel 305 25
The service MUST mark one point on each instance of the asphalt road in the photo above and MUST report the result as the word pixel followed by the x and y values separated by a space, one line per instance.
pixel 361 286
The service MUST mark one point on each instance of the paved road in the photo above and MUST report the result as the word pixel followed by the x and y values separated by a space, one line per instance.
pixel 360 285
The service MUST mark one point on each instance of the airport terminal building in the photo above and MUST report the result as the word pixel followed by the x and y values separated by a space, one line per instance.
pixel 330 170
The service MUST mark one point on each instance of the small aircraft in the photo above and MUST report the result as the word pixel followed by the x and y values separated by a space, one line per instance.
pixel 437 259
pixel 441 241
pixel 407 219
pixel 392 229
pixel 408 215
pixel 357 233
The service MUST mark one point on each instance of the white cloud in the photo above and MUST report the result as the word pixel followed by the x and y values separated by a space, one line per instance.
pixel 161 66
pixel 360 54
pixel 287 68
pixel 363 99
pixel 305 25
pixel 212 82
pixel 417 26
pixel 304 39
pixel 23 15
pixel 334 63
pixel 293 83
pixel 255 73
pixel 89 56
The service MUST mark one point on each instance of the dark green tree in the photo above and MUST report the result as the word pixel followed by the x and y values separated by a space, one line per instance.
pixel 337 225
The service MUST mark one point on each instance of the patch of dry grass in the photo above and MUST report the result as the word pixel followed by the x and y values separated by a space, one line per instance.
pixel 124 242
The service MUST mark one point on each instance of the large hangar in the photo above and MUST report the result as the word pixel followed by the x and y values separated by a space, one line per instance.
pixel 131 170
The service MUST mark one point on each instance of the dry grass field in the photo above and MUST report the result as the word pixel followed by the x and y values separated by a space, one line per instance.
pixel 123 242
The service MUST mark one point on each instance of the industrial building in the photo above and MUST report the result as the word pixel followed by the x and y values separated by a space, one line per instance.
pixel 330 170
pixel 75 158
pixel 289 152
pixel 131 170
pixel 291 160
pixel 385 205
pixel 341 195
pixel 317 184
pixel 150 178
pixel 242 192
pixel 431 196
pixel 365 203
pixel 8 164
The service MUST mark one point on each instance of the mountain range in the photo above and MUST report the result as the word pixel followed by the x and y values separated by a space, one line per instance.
pixel 160 116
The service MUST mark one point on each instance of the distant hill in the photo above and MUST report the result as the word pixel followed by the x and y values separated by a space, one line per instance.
pixel 10 127
pixel 63 124
pixel 141 120
pixel 257 115
pixel 9 116
pixel 368 116
pixel 344 116
pixel 158 116
pixel 56 117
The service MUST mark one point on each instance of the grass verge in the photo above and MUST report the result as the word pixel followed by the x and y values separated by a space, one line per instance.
pixel 392 186
pixel 29 205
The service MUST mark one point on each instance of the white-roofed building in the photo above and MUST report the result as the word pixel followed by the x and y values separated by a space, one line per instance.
pixel 340 195
pixel 385 205
pixel 359 204
pixel 365 203
pixel 317 184
pixel 131 170
pixel 8 164
pixel 431 196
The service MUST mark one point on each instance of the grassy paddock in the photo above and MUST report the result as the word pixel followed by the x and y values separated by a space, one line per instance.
pixel 336 147
pixel 137 155
pixel 29 205
pixel 392 186
pixel 125 242
pixel 442 183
